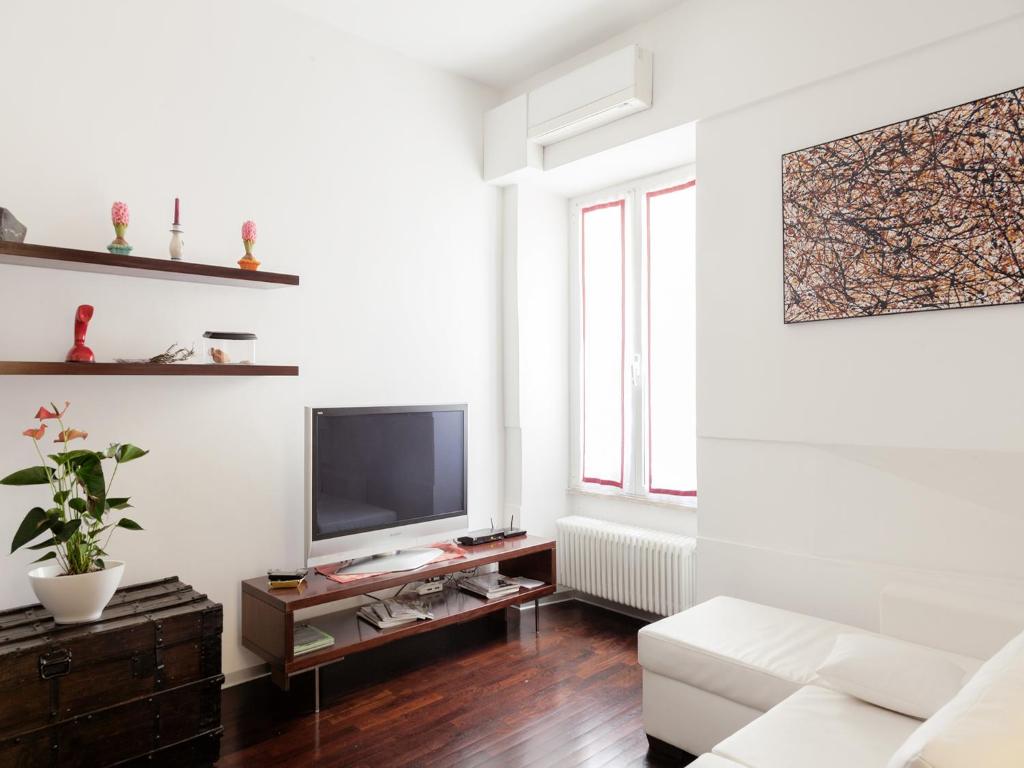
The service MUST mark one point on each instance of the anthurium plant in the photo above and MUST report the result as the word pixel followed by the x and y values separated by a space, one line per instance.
pixel 81 515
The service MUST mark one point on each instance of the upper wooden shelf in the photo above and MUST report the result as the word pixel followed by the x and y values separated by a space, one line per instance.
pixel 50 257
pixel 23 368
pixel 318 589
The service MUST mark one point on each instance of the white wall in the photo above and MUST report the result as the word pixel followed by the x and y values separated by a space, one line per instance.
pixel 833 457
pixel 836 456
pixel 537 356
pixel 362 171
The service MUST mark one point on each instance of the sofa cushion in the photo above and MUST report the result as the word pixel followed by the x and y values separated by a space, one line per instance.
pixel 983 725
pixel 752 654
pixel 817 727
pixel 905 677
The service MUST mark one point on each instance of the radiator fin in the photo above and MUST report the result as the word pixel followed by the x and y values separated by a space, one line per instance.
pixel 649 570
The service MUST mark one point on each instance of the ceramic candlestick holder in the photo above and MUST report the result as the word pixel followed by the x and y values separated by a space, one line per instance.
pixel 177 246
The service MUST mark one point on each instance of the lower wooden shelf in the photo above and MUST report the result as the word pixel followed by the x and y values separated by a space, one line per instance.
pixel 22 368
pixel 452 606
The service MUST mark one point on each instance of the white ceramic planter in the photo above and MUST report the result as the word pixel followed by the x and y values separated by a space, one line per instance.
pixel 79 598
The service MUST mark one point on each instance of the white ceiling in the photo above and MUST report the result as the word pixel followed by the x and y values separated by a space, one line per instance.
pixel 495 42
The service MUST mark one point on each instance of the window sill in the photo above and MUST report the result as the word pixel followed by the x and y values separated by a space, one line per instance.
pixel 678 502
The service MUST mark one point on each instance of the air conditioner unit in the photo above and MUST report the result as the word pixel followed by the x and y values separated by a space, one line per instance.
pixel 604 90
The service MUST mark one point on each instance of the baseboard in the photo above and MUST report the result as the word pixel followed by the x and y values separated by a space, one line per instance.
pixel 246 675
pixel 561 595
pixel 625 610
pixel 567 595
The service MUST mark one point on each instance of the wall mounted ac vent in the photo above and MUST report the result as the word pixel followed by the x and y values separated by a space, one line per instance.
pixel 604 90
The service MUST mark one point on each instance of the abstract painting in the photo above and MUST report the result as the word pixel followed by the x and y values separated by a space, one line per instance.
pixel 922 214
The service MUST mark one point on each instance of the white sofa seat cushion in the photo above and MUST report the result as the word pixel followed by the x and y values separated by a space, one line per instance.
pixel 817 727
pixel 752 654
pixel 983 725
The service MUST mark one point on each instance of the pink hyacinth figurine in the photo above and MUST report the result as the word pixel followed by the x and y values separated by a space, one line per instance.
pixel 119 217
pixel 249 240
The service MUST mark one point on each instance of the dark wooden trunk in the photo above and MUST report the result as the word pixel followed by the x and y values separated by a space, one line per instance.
pixel 143 682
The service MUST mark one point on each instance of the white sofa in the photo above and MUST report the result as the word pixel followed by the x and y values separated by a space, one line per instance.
pixel 749 685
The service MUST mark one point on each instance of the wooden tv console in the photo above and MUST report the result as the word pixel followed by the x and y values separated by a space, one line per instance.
pixel 268 615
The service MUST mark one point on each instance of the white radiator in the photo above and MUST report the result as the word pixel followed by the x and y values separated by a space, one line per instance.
pixel 653 571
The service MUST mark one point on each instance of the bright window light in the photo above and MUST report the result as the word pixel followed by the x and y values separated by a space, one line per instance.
pixel 603 254
pixel 671 341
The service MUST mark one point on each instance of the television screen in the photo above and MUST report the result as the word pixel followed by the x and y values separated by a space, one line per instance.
pixel 381 468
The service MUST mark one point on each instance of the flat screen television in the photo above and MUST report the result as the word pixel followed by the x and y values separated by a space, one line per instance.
pixel 383 479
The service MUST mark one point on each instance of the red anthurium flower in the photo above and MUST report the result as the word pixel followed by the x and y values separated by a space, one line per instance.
pixel 35 434
pixel 70 434
pixel 46 413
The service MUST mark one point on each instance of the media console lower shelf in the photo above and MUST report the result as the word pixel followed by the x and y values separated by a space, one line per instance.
pixel 268 616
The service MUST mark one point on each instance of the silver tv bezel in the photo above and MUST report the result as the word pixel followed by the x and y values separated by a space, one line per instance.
pixel 382 540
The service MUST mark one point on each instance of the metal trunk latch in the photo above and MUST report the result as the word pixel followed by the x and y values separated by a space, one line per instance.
pixel 55 663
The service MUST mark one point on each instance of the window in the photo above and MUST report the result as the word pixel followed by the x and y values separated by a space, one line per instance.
pixel 634 331
pixel 603 270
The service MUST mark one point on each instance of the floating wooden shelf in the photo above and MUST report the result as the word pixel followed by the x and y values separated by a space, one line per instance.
pixel 17 368
pixel 50 257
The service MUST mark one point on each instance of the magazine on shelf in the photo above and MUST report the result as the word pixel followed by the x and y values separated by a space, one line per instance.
pixel 387 614
pixel 526 583
pixel 308 638
pixel 490 585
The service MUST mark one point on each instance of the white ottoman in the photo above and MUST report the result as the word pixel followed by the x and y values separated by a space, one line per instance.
pixel 713 669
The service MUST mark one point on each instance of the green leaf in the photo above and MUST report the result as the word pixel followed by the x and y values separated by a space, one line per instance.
pixel 100 564
pixel 30 476
pixel 35 522
pixel 128 452
pixel 47 556
pixel 73 458
pixel 78 505
pixel 128 523
pixel 90 476
pixel 118 503
pixel 50 542
pixel 112 450
pixel 60 497
pixel 67 530
pixel 96 511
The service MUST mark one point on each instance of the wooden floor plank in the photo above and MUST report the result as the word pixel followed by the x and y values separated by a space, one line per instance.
pixel 461 697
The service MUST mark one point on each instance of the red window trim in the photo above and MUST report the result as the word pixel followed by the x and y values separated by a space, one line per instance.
pixel 621 204
pixel 650 410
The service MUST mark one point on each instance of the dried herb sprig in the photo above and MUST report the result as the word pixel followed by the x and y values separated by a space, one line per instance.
pixel 173 354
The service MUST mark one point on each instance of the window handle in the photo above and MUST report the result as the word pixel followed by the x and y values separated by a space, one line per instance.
pixel 635 370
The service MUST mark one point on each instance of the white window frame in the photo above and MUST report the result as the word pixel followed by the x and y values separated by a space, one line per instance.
pixel 634 485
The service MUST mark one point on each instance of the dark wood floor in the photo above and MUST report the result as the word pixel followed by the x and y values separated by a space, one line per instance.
pixel 462 697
